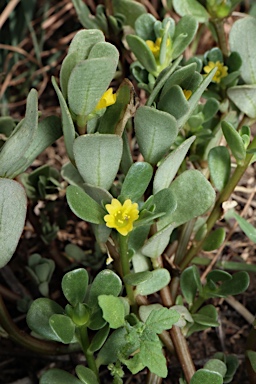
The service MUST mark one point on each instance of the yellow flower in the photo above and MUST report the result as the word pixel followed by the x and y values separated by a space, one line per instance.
pixel 121 217
pixel 155 47
pixel 221 72
pixel 187 93
pixel 107 99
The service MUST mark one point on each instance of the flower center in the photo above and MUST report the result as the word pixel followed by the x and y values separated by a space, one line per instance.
pixel 121 218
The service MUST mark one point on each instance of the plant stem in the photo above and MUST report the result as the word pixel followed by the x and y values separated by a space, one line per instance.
pixel 27 341
pixel 85 343
pixel 221 35
pixel 178 339
pixel 217 210
pixel 125 263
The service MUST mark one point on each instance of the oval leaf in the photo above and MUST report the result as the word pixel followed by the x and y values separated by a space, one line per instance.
pixel 234 141
pixel 84 206
pixel 96 75
pixel 113 310
pixel 244 30
pixel 169 167
pixel 38 317
pixel 63 327
pixel 206 377
pixel 214 240
pixel 157 243
pixel 13 208
pixel 86 375
pixel 57 376
pixel 155 131
pixel 159 279
pixel 194 195
pixel 74 285
pixel 98 157
pixel 136 181
pixel 220 165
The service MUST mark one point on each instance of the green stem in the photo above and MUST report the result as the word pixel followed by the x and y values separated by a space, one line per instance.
pixel 85 343
pixel 27 341
pixel 221 35
pixel 217 210
pixel 125 263
pixel 178 339
pixel 183 241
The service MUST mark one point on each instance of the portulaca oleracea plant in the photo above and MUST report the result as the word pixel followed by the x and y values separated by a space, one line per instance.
pixel 151 177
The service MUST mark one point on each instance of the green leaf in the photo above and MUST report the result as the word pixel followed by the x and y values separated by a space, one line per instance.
pixel 205 320
pixel 164 201
pixel 38 317
pixel 67 123
pixel 162 79
pixel 130 9
pixel 203 376
pixel 252 358
pixel 136 181
pixel 159 279
pixel 106 282
pixel 113 310
pixel 85 17
pixel 84 206
pixel 98 158
pixel 83 41
pixel 14 149
pixel 190 283
pixel 207 315
pixel 162 319
pixel 219 165
pixel 195 97
pixel 86 375
pixel 178 77
pixel 234 141
pixel 245 30
pixel 111 349
pixel 174 102
pixel 238 284
pixel 70 173
pixel 155 131
pixel 99 339
pixel 185 31
pixel 191 7
pixel 157 243
pixel 67 66
pixel 83 96
pixel 214 240
pixel 246 227
pixel 142 52
pixel 58 376
pixel 169 167
pixel 106 50
pixel 194 195
pixel 13 208
pixel 216 365
pixel 74 285
pixel 98 194
pixel 63 327
pixel 144 27
pixel 243 96
pixel 137 278
pixel 152 357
